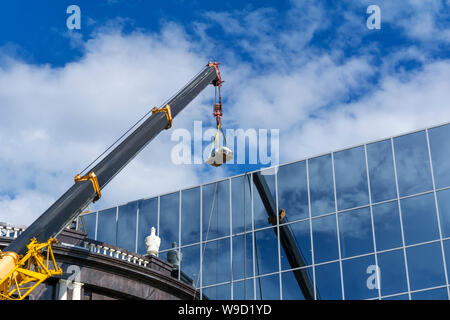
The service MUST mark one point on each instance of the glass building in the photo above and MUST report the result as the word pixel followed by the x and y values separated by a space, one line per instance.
pixel 367 222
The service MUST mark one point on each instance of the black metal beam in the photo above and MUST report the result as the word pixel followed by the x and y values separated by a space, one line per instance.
pixel 287 240
pixel 81 194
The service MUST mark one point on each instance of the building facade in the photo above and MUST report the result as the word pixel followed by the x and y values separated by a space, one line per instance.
pixel 370 222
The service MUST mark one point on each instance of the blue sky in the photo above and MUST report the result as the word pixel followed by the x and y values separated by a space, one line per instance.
pixel 310 69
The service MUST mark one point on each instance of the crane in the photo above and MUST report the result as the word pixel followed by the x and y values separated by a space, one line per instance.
pixel 23 265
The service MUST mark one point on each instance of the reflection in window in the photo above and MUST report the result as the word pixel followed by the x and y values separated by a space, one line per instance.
pixel 446 244
pixel 126 226
pixel 355 228
pixel 216 262
pixel 291 288
pixel 413 164
pixel 351 178
pixel 106 231
pixel 386 221
pixel 241 204
pixel 148 218
pixel 399 297
pixel 302 238
pixel 266 252
pixel 443 198
pixel 268 287
pixel 419 219
pixel 90 224
pixel 243 290
pixel 360 278
pixel 292 190
pixel 242 259
pixel 328 281
pixel 325 239
pixel 222 292
pixel 425 266
pixel 259 211
pixel 190 265
pixel 169 220
pixel 190 216
pixel 381 171
pixel 440 153
pixel 321 185
pixel 393 272
pixel 216 210
pixel 435 294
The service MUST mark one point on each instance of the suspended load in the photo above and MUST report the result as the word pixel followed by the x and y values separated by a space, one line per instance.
pixel 220 154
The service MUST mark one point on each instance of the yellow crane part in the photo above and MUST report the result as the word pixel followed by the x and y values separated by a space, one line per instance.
pixel 21 275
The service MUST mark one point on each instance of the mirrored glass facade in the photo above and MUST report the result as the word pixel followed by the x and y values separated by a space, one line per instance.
pixel 367 222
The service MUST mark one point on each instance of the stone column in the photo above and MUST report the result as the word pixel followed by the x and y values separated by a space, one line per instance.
pixel 76 293
pixel 62 289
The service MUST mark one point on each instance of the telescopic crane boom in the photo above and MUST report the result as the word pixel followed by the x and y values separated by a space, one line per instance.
pixel 87 189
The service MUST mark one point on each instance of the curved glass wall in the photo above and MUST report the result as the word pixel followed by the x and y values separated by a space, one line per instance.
pixel 368 222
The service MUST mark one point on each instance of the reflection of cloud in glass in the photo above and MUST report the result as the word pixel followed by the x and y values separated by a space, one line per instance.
pixel 292 190
pixel 266 252
pixel 168 220
pixel 107 226
pixel 413 164
pixel 190 216
pixel 321 185
pixel 241 204
pixel 216 209
pixel 440 154
pixel 351 178
pixel 325 239
pixel 148 217
pixel 386 221
pixel 355 230
pixel 381 171
pixel 126 226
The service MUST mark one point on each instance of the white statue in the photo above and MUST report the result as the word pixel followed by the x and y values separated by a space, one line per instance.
pixel 152 242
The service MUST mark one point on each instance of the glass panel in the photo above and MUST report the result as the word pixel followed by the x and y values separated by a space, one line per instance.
pixel 216 263
pixel 242 259
pixel 243 290
pixel 169 220
pixel 328 281
pixel 126 226
pixel 440 153
pixel 190 265
pixel 222 292
pixel 443 198
pixel 325 239
pixel 321 185
pixel 360 278
pixel 419 219
pixel 393 272
pixel 293 191
pixel 148 218
pixel 355 229
pixel 381 171
pixel 190 216
pixel 266 252
pixel 399 297
pixel 302 237
pixel 413 164
pixel 268 288
pixel 90 224
pixel 351 178
pixel 291 287
pixel 386 221
pixel 241 204
pixel 106 230
pixel 216 210
pixel 425 266
pixel 446 244
pixel 435 294
pixel 259 211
